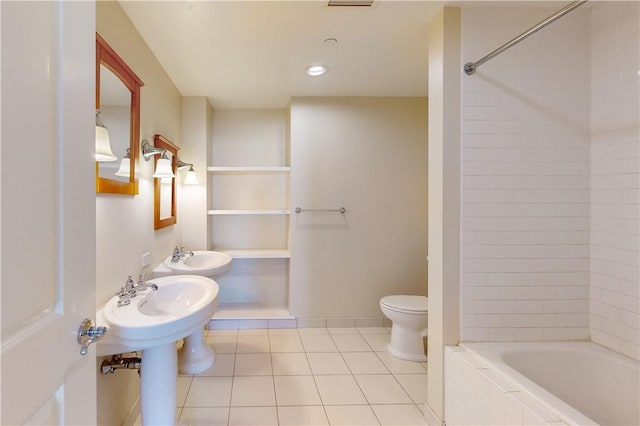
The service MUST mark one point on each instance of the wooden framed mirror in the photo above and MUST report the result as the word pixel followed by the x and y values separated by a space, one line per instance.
pixel 118 100
pixel 164 207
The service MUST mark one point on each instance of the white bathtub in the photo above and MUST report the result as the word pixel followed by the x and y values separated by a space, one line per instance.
pixel 580 383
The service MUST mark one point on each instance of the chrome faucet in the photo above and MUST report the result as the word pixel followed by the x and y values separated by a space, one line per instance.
pixel 179 253
pixel 126 293
pixel 143 285
pixel 131 289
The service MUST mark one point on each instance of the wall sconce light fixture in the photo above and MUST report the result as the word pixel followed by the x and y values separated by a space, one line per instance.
pixel 103 147
pixel 125 165
pixel 190 178
pixel 163 166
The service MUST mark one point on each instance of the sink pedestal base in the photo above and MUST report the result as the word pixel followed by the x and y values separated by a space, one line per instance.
pixel 195 356
pixel 158 383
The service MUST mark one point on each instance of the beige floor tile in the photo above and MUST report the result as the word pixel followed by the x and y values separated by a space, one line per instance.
pixel 193 416
pixel 364 363
pixel 318 343
pixel 339 390
pixel 182 389
pixel 209 392
pixel 253 416
pixel 286 343
pixel 382 389
pixel 415 385
pixel 296 390
pixel 342 330
pixel 253 332
pixel 253 391
pixel 312 331
pixel 221 333
pixel 372 330
pixel 283 332
pixel 378 342
pixel 223 344
pixel 400 366
pixel 222 366
pixel 351 343
pixel 302 416
pixel 327 363
pixel 253 344
pixel 253 365
pixel 351 415
pixel 399 415
pixel 290 364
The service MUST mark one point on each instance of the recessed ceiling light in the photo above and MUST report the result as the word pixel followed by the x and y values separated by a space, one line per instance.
pixel 316 70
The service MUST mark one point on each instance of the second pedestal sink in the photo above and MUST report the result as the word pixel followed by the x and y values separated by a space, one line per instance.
pixel 204 263
pixel 195 356
pixel 152 322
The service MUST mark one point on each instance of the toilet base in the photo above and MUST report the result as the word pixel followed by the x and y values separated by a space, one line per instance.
pixel 406 356
pixel 406 343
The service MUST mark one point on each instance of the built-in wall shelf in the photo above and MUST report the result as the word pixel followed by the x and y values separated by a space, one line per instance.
pixel 248 169
pixel 249 214
pixel 245 212
pixel 258 254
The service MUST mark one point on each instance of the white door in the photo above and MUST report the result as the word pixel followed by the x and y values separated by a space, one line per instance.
pixel 47 215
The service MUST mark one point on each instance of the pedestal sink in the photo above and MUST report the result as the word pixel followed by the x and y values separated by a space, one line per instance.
pixel 204 263
pixel 153 322
pixel 195 356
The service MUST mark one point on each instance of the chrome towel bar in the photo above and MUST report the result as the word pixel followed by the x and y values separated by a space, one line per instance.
pixel 341 210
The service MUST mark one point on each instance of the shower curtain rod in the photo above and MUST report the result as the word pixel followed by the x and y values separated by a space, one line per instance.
pixel 470 67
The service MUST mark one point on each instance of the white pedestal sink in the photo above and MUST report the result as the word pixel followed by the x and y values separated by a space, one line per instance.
pixel 195 356
pixel 153 322
pixel 203 263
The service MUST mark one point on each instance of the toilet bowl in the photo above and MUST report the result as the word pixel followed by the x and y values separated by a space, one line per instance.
pixel 409 317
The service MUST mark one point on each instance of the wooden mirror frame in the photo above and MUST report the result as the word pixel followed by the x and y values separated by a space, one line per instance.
pixel 106 56
pixel 161 142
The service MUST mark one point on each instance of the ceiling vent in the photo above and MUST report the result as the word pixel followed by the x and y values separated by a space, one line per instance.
pixel 359 3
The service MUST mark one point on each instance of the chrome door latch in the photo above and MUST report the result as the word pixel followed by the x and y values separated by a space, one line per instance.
pixel 88 334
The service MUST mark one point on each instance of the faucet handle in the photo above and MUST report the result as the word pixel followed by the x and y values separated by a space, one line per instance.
pixel 123 297
pixel 141 277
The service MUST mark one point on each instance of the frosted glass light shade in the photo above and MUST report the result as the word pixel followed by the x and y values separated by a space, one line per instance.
pixel 103 147
pixel 163 169
pixel 191 178
pixel 125 168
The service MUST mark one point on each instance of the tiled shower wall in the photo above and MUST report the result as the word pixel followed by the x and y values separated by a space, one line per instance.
pixel 550 196
pixel 615 176
pixel 525 184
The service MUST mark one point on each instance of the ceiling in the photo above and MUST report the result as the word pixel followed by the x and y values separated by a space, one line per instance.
pixel 253 54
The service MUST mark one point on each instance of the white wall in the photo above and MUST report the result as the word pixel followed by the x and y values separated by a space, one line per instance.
pixel 124 224
pixel 550 228
pixel 525 177
pixel 192 199
pixel 368 155
pixel 615 179
pixel 444 196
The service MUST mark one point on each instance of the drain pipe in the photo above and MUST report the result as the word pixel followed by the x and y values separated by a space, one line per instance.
pixel 118 362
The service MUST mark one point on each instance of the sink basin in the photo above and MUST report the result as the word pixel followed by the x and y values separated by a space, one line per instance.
pixel 181 306
pixel 153 322
pixel 204 263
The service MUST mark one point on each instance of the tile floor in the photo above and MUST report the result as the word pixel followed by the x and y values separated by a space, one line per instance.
pixel 307 376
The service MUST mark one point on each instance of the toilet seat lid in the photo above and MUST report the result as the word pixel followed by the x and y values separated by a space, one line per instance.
pixel 406 302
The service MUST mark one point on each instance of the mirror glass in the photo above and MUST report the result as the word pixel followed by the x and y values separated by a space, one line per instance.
pixel 118 100
pixel 115 112
pixel 164 213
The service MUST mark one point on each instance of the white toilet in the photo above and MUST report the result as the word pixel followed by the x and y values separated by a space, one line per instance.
pixel 409 317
